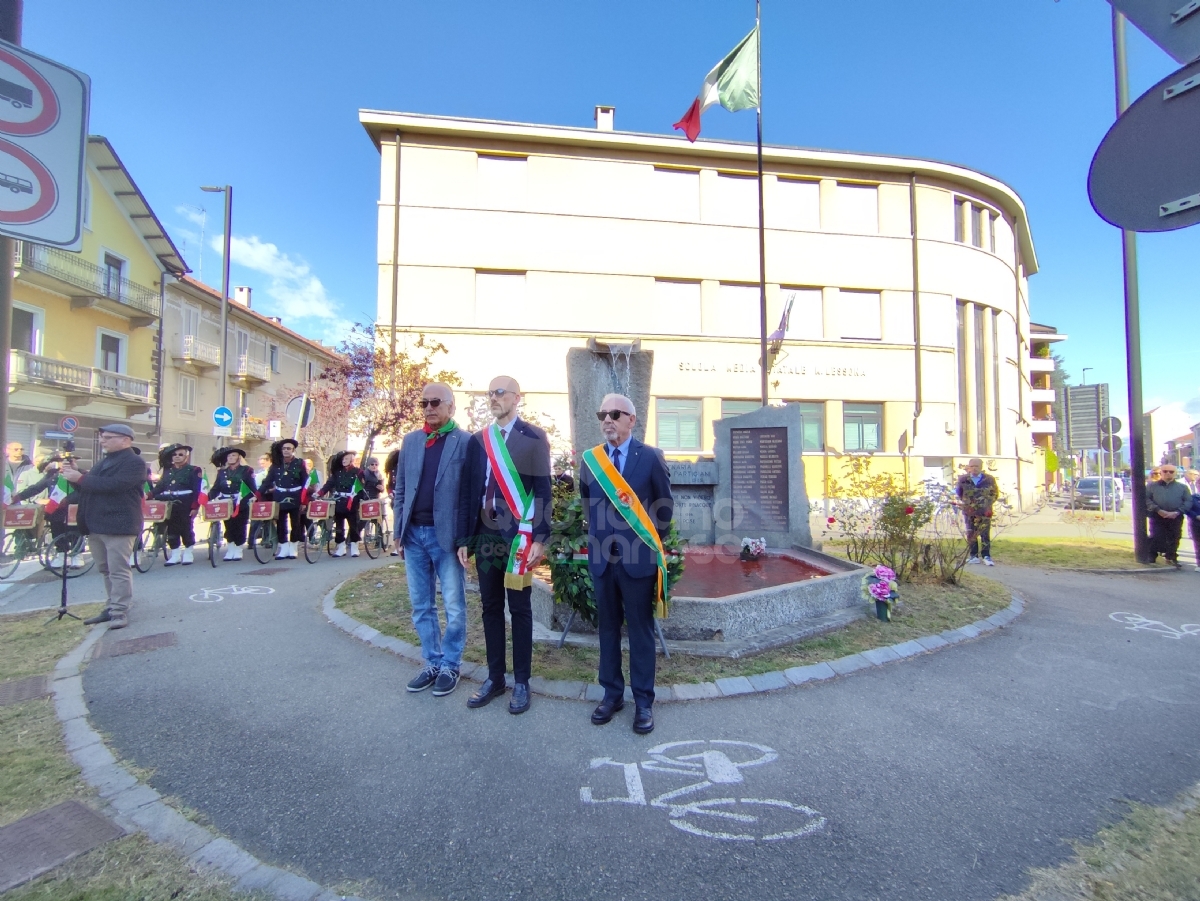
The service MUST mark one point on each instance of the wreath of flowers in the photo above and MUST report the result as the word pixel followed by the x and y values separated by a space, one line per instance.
pixel 880 585
pixel 753 548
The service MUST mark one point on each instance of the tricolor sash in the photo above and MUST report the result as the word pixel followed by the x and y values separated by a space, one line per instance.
pixel 621 496
pixel 520 502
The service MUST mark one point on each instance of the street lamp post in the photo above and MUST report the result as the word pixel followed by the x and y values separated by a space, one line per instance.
pixel 228 192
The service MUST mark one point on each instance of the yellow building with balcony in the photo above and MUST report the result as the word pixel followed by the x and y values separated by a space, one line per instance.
pixel 86 325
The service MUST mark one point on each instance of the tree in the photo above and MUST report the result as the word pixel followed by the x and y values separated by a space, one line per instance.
pixel 326 433
pixel 382 386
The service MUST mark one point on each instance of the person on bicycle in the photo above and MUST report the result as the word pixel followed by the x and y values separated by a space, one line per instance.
pixel 389 471
pixel 284 484
pixel 50 468
pixel 232 474
pixel 344 484
pixel 179 483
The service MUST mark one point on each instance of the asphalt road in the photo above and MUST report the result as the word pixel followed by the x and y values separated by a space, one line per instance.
pixel 945 776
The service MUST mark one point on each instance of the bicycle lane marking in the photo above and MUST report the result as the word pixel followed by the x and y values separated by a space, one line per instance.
pixel 216 595
pixel 1135 622
pixel 714 763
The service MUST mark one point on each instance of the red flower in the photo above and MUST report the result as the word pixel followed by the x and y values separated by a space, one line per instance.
pixel 831 520
pixel 908 511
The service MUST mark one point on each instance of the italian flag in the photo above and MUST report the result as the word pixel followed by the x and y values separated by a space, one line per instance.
pixel 310 487
pixel 733 83
pixel 358 488
pixel 203 499
pixel 243 493
pixel 148 490
pixel 8 488
pixel 58 494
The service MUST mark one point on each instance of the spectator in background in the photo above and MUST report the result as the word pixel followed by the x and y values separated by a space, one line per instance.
pixel 1167 502
pixel 19 467
pixel 264 464
pixel 110 514
pixel 1193 482
pixel 50 468
pixel 977 491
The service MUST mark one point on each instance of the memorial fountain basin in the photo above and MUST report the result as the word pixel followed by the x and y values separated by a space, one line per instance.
pixel 721 598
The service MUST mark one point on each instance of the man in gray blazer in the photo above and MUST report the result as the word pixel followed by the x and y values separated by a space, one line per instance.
pixel 425 504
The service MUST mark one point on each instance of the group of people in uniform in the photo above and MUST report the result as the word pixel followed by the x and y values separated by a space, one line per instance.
pixel 285 479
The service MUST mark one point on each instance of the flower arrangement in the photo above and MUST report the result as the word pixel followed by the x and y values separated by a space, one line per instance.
pixel 754 548
pixel 880 586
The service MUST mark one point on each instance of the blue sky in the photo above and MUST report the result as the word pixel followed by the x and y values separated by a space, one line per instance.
pixel 264 95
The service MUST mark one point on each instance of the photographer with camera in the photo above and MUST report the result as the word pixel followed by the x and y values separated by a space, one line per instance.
pixel 50 468
pixel 110 514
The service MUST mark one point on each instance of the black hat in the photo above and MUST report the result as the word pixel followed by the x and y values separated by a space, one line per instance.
pixel 277 449
pixel 167 451
pixel 221 455
pixel 336 462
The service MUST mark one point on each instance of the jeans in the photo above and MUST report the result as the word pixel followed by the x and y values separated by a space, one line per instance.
pixel 111 553
pixel 424 559
pixel 979 534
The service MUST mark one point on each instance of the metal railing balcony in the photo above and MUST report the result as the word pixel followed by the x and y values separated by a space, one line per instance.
pixel 200 351
pixel 253 429
pixel 92 280
pixel 248 367
pixel 31 369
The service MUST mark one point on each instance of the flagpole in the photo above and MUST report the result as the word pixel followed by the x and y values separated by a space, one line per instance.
pixel 762 238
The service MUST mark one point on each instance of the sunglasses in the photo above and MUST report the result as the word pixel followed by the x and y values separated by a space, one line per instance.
pixel 434 402
pixel 499 392
pixel 614 415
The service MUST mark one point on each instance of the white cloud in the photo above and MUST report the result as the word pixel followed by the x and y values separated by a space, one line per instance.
pixel 192 214
pixel 297 292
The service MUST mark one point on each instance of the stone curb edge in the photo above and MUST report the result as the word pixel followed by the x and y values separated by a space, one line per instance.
pixel 137 807
pixel 727 687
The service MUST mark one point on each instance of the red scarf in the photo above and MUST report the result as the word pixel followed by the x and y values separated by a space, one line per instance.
pixel 435 434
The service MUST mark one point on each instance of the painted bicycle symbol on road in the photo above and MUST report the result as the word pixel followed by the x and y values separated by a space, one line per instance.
pixel 1135 622
pixel 215 595
pixel 716 765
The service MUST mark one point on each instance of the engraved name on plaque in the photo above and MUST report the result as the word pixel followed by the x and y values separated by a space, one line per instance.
pixel 759 479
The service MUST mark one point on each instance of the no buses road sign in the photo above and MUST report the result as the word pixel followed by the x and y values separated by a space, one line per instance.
pixel 43 141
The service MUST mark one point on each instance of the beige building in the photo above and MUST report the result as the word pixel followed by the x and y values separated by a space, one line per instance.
pixel 266 362
pixel 909 334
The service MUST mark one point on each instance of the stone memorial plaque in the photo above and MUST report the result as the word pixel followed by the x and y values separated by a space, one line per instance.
pixel 759 478
pixel 694 514
pixel 699 472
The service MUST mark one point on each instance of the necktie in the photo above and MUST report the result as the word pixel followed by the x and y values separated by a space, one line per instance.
pixel 616 458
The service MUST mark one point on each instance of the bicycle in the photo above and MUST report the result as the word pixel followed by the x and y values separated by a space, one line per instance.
pixel 320 532
pixel 264 530
pixel 152 541
pixel 215 513
pixel 69 549
pixel 374 536
pixel 28 538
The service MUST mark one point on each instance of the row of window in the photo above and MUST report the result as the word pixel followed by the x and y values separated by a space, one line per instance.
pixel 191 326
pixel 976 223
pixel 680 423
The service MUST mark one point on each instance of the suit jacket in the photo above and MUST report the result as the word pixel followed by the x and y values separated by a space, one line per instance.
pixel 647 474
pixel 530 451
pixel 445 489
pixel 110 495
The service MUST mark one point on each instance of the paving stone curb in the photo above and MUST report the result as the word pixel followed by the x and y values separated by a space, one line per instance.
pixel 136 807
pixel 727 687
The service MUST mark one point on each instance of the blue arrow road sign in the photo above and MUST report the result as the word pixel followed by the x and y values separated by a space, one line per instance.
pixel 223 416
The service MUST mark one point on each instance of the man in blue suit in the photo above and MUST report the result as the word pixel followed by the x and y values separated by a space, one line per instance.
pixel 624 567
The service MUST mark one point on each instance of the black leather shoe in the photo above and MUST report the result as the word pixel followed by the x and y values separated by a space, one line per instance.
pixel 605 711
pixel 488 690
pixel 643 721
pixel 102 617
pixel 519 702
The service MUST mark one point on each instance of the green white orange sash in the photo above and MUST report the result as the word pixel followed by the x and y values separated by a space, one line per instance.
pixel 621 496
pixel 520 502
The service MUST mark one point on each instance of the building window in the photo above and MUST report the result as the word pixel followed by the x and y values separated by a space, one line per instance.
pixel 274 357
pixel 187 394
pixel 679 304
pixel 738 407
pixel 502 182
pixel 113 272
pixel 857 209
pixel 859 316
pixel 862 425
pixel 87 202
pixel 961 353
pixel 960 221
pixel 500 299
pixel 812 424
pixel 977 215
pixel 675 195
pixel 980 396
pixel 310 370
pixel 110 351
pixel 992 233
pixel 806 320
pixel 996 377
pixel 28 325
pixel 678 423
pixel 191 320
pixel 735 314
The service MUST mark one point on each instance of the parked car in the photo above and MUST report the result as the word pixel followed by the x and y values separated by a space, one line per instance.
pixel 1087 494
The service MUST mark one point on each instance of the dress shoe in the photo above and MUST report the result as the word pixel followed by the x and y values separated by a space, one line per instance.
pixel 102 617
pixel 643 721
pixel 605 711
pixel 488 690
pixel 519 702
pixel 117 621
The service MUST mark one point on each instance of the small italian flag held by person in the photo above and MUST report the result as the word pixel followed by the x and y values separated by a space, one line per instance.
pixel 243 493
pixel 148 489
pixel 8 488
pixel 310 487
pixel 203 499
pixel 58 494
pixel 733 83
pixel 357 488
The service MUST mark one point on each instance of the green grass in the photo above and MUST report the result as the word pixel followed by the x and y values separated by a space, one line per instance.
pixel 1065 553
pixel 1153 854
pixel 380 599
pixel 36 773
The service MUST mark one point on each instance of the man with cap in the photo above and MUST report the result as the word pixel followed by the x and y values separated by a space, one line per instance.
pixel 235 482
pixel 110 514
pixel 285 484
pixel 180 484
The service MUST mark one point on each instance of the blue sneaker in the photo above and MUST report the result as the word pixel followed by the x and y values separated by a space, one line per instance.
pixel 422 680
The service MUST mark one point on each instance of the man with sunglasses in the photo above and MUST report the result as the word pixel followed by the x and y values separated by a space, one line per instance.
pixel 626 492
pixel 504 520
pixel 425 504
pixel 1167 501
